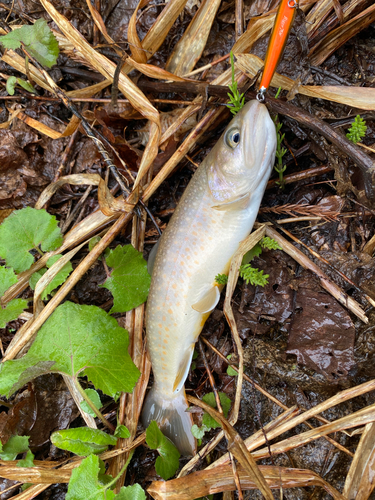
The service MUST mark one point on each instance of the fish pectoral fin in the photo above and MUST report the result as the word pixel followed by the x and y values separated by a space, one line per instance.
pixel 236 204
pixel 183 370
pixel 152 257
pixel 208 302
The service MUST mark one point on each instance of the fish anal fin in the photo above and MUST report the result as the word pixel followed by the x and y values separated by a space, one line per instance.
pixel 183 370
pixel 208 302
pixel 238 203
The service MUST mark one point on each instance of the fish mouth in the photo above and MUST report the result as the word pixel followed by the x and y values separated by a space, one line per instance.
pixel 259 141
pixel 254 122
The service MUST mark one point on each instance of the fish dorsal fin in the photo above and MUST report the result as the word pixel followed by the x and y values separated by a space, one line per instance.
pixel 238 203
pixel 208 302
pixel 183 370
pixel 152 257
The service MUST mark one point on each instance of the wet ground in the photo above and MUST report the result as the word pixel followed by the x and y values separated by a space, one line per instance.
pixel 300 344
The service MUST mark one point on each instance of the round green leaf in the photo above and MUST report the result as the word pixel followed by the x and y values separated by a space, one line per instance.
pixel 25 230
pixel 76 340
pixel 129 281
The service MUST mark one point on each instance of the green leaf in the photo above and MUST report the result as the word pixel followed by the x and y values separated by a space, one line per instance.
pixel 76 340
pixel 230 371
pixel 25 230
pixel 82 440
pixel 12 310
pixel 167 463
pixel 84 483
pixel 129 282
pixel 19 374
pixel 199 432
pixel 269 243
pixel 16 306
pixel 122 432
pixel 93 242
pixel 14 446
pixel 11 84
pixel 35 277
pixel 26 85
pixel 38 39
pixel 7 279
pixel 104 478
pixel 251 254
pixel 95 400
pixel 134 492
pixel 28 461
pixel 58 280
pixel 209 398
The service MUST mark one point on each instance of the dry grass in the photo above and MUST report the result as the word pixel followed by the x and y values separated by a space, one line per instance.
pixel 221 476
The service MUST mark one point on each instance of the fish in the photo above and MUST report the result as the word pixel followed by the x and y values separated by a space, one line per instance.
pixel 216 212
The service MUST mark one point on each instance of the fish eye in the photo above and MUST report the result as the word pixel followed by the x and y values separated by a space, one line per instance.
pixel 232 137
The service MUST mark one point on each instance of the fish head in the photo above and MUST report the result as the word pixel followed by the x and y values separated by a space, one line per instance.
pixel 242 159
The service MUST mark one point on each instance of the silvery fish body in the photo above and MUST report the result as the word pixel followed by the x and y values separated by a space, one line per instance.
pixel 216 212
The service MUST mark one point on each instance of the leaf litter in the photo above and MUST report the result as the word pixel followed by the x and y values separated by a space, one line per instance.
pixel 301 347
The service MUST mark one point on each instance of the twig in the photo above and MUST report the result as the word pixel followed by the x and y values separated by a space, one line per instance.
pixel 81 201
pixel 207 66
pixel 364 162
pixel 65 155
pixel 325 281
pixel 274 399
pixel 236 476
pixel 93 99
pixel 339 398
pixel 316 69
pixel 239 19
pixel 116 76
pixel 325 261
pixel 237 447
pixel 210 376
pixel 299 176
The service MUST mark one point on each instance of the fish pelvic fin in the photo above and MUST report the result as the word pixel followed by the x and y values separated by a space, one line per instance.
pixel 208 302
pixel 172 418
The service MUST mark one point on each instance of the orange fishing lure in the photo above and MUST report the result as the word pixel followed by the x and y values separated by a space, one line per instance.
pixel 283 23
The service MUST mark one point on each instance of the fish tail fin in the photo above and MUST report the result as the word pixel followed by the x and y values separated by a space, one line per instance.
pixel 172 418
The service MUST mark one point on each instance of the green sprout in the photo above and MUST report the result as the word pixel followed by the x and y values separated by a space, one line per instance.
pixel 221 279
pixel 278 93
pixel 253 276
pixel 269 243
pixel 280 151
pixel 247 272
pixel 358 130
pixel 236 100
